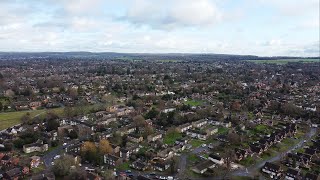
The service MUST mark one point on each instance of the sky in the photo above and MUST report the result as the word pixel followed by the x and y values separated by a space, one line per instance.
pixel 255 27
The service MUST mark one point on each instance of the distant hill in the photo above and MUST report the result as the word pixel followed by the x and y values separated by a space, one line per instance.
pixel 134 56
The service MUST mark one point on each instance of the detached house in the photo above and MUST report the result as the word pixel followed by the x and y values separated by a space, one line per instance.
pixel 39 146
pixel 161 166
pixel 125 153
pixel 34 162
pixel 165 154
pixel 112 160
pixel 216 159
pixel 203 167
pixel 240 153
pixel 292 174
pixel 273 170
pixel 139 165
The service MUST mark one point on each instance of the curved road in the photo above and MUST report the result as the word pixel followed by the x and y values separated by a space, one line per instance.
pixel 253 168
pixel 256 167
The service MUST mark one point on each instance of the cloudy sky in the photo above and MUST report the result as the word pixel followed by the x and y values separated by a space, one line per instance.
pixel 259 27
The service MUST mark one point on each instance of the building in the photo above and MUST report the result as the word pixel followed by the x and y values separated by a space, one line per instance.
pixel 112 160
pixel 200 123
pixel 135 138
pixel 273 170
pixel 203 167
pixel 292 174
pixel 34 162
pixel 39 146
pixel 154 137
pixel 184 127
pixel 216 159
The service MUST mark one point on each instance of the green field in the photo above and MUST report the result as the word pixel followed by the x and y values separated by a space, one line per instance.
pixel 196 143
pixel 223 130
pixel 192 102
pixel 168 60
pixel 9 119
pixel 171 138
pixel 284 61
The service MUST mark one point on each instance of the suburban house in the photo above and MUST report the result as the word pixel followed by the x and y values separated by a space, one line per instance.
pixel 112 160
pixel 39 146
pixel 211 131
pixel 34 162
pixel 273 170
pixel 181 141
pixel 195 133
pixel 135 138
pixel 75 148
pixel 154 137
pixel 200 123
pixel 240 153
pixel 125 153
pixel 184 127
pixel 165 154
pixel 161 165
pixel 216 159
pixel 203 167
pixel 292 174
pixel 256 149
pixel 139 165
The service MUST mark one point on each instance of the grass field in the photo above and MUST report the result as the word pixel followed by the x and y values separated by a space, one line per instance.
pixel 124 166
pixel 284 61
pixel 9 119
pixel 196 143
pixel 171 138
pixel 168 60
pixel 223 130
pixel 193 102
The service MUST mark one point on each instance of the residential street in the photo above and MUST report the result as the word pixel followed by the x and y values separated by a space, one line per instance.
pixel 256 167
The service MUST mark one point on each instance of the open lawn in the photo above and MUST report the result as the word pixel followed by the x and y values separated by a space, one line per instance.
pixel 124 166
pixel 193 102
pixel 9 119
pixel 171 138
pixel 196 143
pixel 284 61
pixel 223 130
pixel 259 129
pixel 193 158
pixel 248 161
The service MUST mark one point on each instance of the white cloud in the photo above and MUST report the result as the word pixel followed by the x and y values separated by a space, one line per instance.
pixel 80 6
pixel 169 14
pixel 293 7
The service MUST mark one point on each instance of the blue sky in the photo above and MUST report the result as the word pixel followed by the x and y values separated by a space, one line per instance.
pixel 258 27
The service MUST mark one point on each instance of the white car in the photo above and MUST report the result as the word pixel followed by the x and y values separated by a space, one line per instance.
pixel 64 144
pixel 52 163
pixel 57 157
